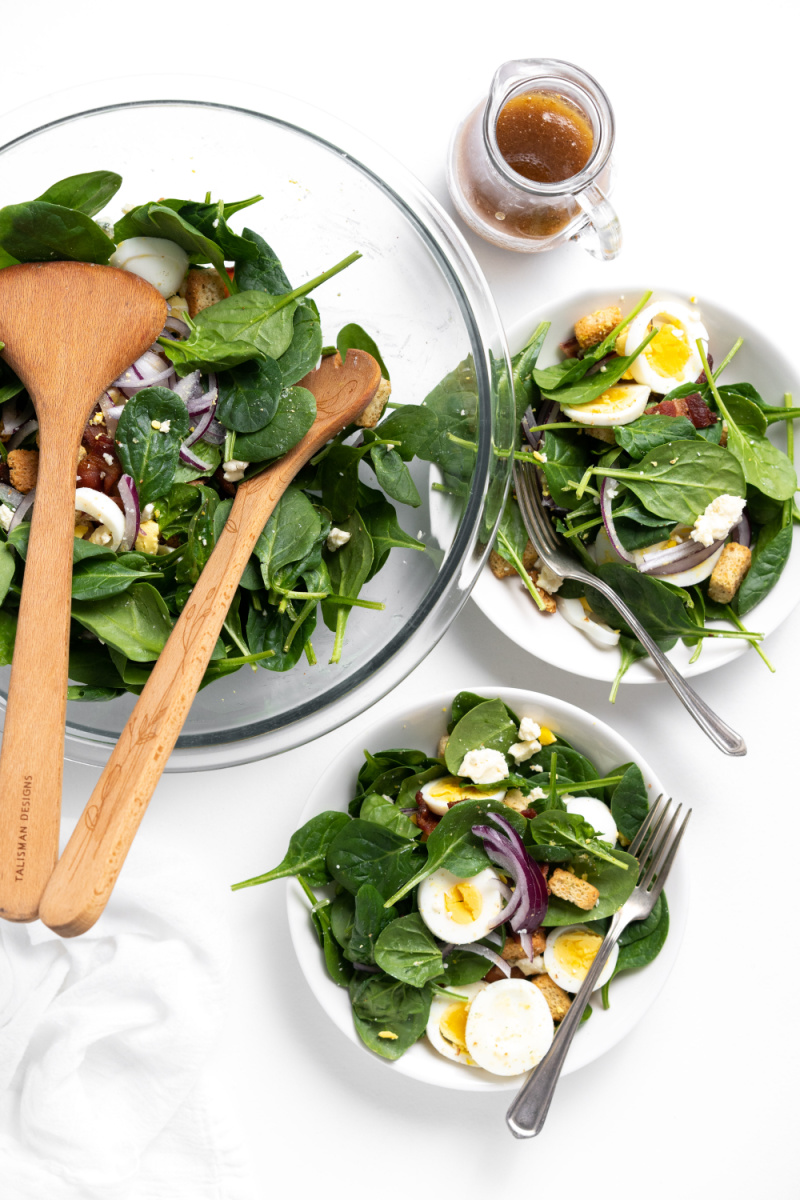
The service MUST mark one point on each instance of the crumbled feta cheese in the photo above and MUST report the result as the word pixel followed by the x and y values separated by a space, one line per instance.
pixel 533 966
pixel 108 458
pixel 528 730
pixel 165 426
pixel 484 766
pixel 147 512
pixel 528 743
pixel 337 538
pixel 537 794
pixel 234 469
pixel 546 579
pixel 6 514
pixel 718 519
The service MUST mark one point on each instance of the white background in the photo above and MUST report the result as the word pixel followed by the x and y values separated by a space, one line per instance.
pixel 699 1100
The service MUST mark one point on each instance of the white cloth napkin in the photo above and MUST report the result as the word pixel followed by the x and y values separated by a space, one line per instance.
pixel 104 1048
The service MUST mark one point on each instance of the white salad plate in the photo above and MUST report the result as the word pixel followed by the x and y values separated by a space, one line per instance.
pixel 421 726
pixel 550 638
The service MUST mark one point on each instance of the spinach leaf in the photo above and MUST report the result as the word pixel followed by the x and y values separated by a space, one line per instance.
pixel 8 632
pixel 362 852
pixel 308 849
pixel 407 950
pixel 151 454
pixel 38 231
pixel 281 633
pixel 486 725
pixel 370 918
pixel 587 389
pixel 306 344
pixel 162 221
pixel 288 535
pixel 412 427
pixel 349 570
pixel 264 272
pixel 660 609
pixel 248 325
pixel 353 337
pixel 88 192
pixel 249 394
pixel 380 811
pixel 337 480
pixel 567 456
pixel 293 418
pixel 642 941
pixel 381 523
pixel 629 803
pixel 573 369
pixel 526 390
pixel 200 538
pixel 82 691
pixel 381 1006
pixel 630 651
pixel 462 967
pixel 99 577
pixel 680 479
pixel 614 886
pixel 571 831
pixel 137 623
pixel 7 568
pixel 393 475
pixel 342 914
pixel 406 797
pixel 646 432
pixel 770 556
pixel 464 702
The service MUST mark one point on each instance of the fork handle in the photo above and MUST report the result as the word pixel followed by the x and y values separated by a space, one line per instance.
pixel 528 1112
pixel 724 738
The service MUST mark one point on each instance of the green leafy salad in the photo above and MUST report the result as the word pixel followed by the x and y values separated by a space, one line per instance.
pixel 214 401
pixel 464 896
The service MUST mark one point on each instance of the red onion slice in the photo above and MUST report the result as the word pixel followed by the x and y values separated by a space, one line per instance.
pixel 188 388
pixel 678 558
pixel 10 496
pixel 741 532
pixel 508 850
pixel 130 502
pixel 148 371
pixel 23 432
pixel 24 505
pixel 191 460
pixel 175 325
pixel 215 434
pixel 199 429
pixel 493 957
pixel 607 493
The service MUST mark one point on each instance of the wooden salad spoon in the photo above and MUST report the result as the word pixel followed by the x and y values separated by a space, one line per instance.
pixel 87 870
pixel 69 329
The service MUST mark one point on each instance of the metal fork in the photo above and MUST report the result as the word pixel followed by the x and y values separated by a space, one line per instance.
pixel 545 541
pixel 654 845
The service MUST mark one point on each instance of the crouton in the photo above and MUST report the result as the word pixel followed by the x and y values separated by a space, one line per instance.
pixel 23 466
pixel 731 568
pixel 529 556
pixel 500 568
pixel 602 433
pixel 558 1001
pixel 374 411
pixel 203 288
pixel 515 799
pixel 440 749
pixel 591 330
pixel 548 600
pixel 577 891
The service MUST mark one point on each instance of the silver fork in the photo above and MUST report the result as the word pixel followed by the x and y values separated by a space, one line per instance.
pixel 654 845
pixel 545 540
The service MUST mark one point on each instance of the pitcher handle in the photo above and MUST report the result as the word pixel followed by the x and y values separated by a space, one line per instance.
pixel 601 236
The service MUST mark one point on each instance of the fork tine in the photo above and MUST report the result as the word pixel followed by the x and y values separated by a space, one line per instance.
pixel 526 481
pixel 659 868
pixel 661 878
pixel 653 835
pixel 645 825
pixel 650 867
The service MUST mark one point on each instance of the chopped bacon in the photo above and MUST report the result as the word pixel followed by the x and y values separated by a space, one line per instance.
pixel 494 975
pixel 94 471
pixel 530 813
pixel 694 407
pixel 570 349
pixel 424 818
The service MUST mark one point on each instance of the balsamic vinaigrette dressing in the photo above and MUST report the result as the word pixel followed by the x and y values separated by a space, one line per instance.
pixel 544 137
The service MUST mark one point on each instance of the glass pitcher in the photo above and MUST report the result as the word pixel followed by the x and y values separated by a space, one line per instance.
pixel 518 213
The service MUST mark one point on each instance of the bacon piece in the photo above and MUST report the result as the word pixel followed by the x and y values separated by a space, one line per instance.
pixel 494 975
pixel 694 407
pixel 570 348
pixel 424 818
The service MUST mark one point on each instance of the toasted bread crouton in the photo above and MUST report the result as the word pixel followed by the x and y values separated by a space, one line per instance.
pixel 731 568
pixel 529 556
pixel 203 288
pixel 515 799
pixel 577 891
pixel 374 411
pixel 602 433
pixel 591 330
pixel 558 1001
pixel 500 568
pixel 513 952
pixel 548 600
pixel 440 749
pixel 23 467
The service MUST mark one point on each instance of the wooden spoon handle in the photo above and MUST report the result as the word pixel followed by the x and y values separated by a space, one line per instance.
pixel 32 754
pixel 85 875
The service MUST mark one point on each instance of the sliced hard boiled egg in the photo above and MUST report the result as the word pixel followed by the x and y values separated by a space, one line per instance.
pixel 671 358
pixel 439 794
pixel 102 508
pixel 569 952
pixel 620 405
pixel 447 1024
pixel 158 260
pixel 578 613
pixel 509 1027
pixel 685 579
pixel 461 910
pixel 596 813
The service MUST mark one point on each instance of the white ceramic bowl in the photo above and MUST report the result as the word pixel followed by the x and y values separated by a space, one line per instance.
pixel 505 601
pixel 421 726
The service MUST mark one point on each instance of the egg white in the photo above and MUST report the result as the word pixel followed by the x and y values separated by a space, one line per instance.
pixel 509 1027
pixel 685 579
pixel 102 508
pixel 596 630
pixel 561 972
pixel 619 405
pixel 654 367
pixel 440 793
pixel 440 1006
pixel 435 892
pixel 596 813
pixel 158 260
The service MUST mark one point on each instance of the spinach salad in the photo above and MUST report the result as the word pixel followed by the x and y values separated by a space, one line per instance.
pixel 478 879
pixel 215 400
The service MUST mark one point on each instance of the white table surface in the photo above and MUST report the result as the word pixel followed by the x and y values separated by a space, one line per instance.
pixel 698 1099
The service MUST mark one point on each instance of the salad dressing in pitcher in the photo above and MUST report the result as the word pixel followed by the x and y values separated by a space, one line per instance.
pixel 544 137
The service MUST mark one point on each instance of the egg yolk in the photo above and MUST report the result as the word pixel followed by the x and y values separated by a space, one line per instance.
pixel 450 788
pixel 615 399
pixel 576 951
pixel 464 903
pixel 453 1025
pixel 669 351
pixel 546 736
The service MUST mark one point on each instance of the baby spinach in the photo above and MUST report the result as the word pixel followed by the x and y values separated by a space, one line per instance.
pixel 210 455
pixel 461 967
pixel 641 942
pixel 293 418
pixel 162 221
pixel 97 578
pixel 38 231
pixel 370 919
pixel 486 725
pixel 270 629
pixel 199 540
pixel 406 797
pixel 349 569
pixel 382 1005
pixel 353 337
pixel 380 811
pixel 526 390
pixel 392 473
pixel 137 623
pixel 306 344
pixel 680 479
pixel 643 435
pixel 629 803
pixel 590 387
pixel 573 369
pixel 464 702
pixel 288 535
pixel 407 950
pixel 770 556
pixel 567 457
pixel 8 632
pixel 151 454
pixel 249 394
pixel 88 192
pixel 572 832
pixel 263 272
pixel 362 852
pixel 7 568
pixel 308 849
pixel 381 523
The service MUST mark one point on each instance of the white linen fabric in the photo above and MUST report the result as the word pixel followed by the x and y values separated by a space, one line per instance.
pixel 104 1048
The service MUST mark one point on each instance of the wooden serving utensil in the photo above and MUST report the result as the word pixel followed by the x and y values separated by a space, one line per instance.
pixel 87 870
pixel 69 329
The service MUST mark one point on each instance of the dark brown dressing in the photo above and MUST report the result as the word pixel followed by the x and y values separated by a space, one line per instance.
pixel 544 137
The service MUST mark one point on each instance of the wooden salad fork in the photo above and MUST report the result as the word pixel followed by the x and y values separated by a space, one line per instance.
pixel 69 329
pixel 87 870
pixel 655 846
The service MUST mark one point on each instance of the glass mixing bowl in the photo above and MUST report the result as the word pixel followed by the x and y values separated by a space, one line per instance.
pixel 417 289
